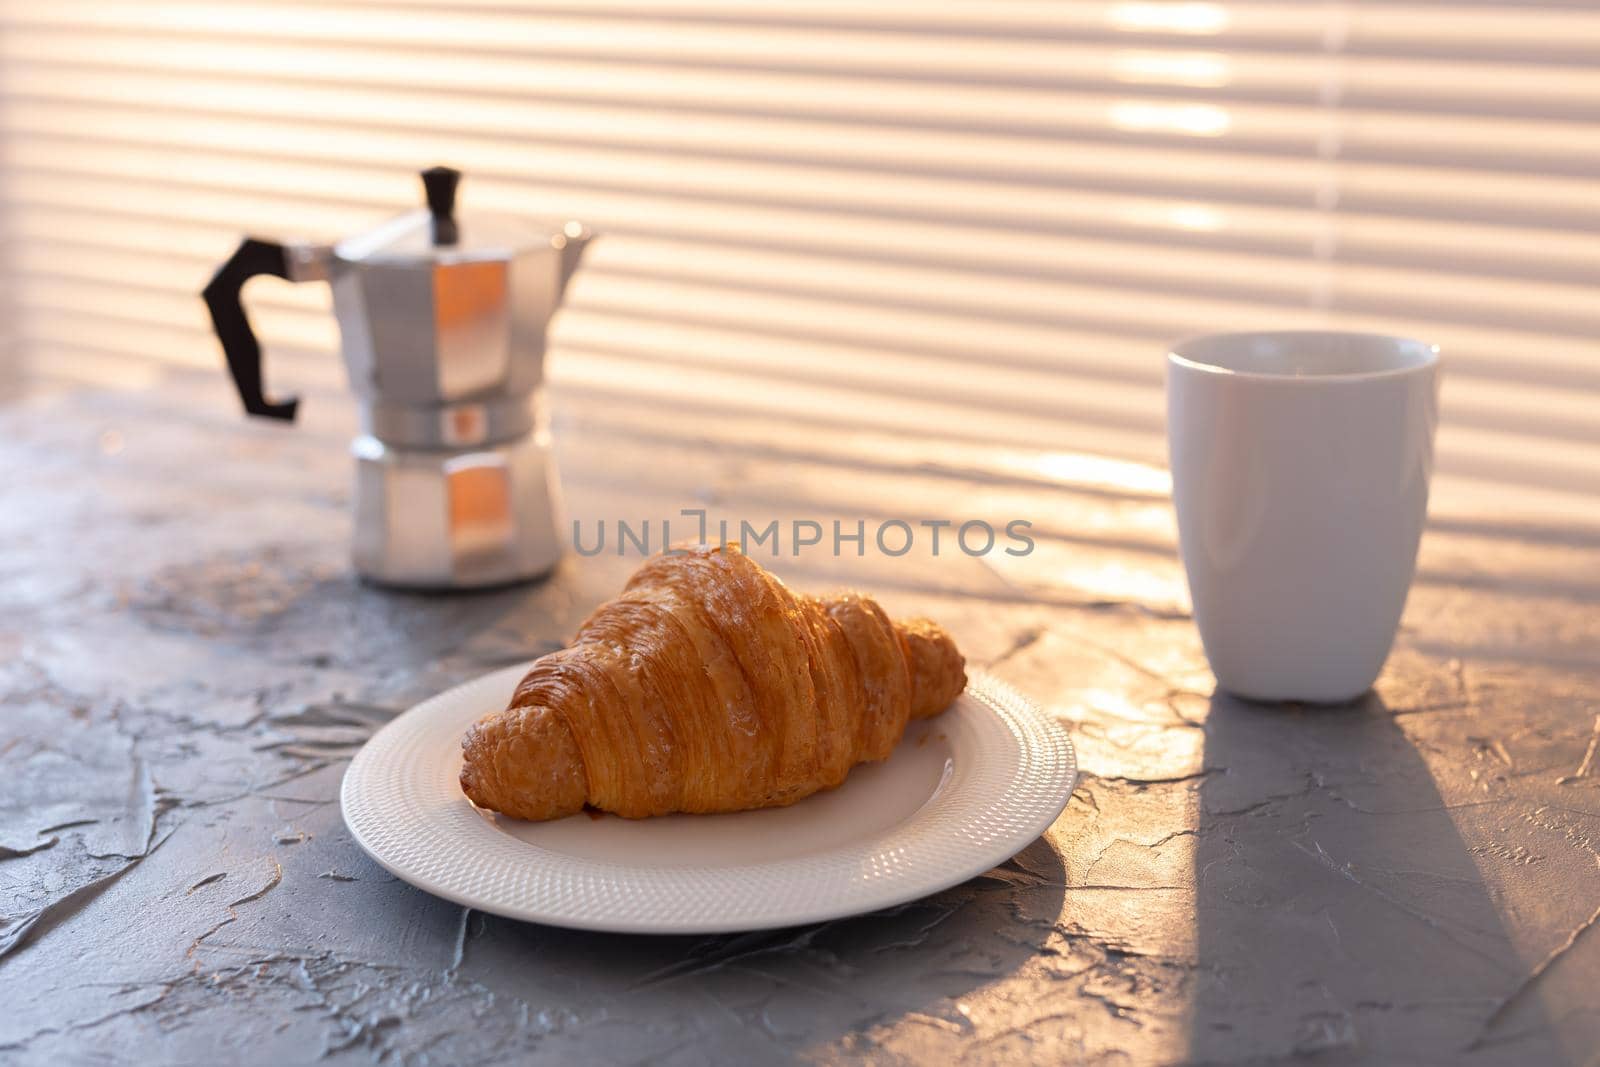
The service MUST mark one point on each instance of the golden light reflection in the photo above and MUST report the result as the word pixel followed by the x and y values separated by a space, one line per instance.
pixel 1195 217
pixel 1116 703
pixel 1190 18
pixel 1099 472
pixel 1194 120
pixel 1196 69
pixel 1074 570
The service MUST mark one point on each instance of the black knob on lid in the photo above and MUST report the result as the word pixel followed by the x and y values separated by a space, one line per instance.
pixel 440 185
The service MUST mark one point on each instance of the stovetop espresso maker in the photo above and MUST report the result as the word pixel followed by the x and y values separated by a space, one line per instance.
pixel 442 320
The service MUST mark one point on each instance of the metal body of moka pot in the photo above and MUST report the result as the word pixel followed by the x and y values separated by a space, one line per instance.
pixel 442 321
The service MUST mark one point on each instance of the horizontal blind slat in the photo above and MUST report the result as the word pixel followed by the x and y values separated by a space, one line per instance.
pixel 1531 32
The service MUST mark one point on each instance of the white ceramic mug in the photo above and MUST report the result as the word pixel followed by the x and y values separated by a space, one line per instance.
pixel 1300 465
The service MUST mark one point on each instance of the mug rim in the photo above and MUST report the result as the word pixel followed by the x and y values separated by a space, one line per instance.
pixel 1177 358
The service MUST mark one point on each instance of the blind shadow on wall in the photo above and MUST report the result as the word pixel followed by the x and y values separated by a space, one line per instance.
pixel 943 224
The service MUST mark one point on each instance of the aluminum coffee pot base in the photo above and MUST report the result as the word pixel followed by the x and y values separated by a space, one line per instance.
pixel 461 519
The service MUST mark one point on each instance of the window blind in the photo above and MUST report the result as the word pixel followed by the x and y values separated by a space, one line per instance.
pixel 959 225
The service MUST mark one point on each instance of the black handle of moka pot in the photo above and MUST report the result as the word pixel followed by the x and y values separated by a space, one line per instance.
pixel 239 344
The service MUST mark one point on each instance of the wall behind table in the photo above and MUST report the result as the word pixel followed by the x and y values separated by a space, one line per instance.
pixel 967 227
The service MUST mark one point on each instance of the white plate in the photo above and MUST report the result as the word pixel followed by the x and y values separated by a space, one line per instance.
pixel 963 792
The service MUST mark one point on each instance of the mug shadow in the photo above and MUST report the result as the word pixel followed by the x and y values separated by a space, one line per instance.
pixel 1339 912
pixel 774 995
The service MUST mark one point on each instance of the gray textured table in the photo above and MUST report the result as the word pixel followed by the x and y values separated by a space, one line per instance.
pixel 187 666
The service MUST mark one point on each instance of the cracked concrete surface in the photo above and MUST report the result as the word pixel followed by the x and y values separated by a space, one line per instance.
pixel 188 666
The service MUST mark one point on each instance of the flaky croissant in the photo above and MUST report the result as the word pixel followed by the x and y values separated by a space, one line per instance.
pixel 708 686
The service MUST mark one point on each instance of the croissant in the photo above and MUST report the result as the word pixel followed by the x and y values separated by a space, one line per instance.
pixel 708 686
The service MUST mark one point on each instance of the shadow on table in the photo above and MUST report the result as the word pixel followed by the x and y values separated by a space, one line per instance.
pixel 1339 912
pixel 775 994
